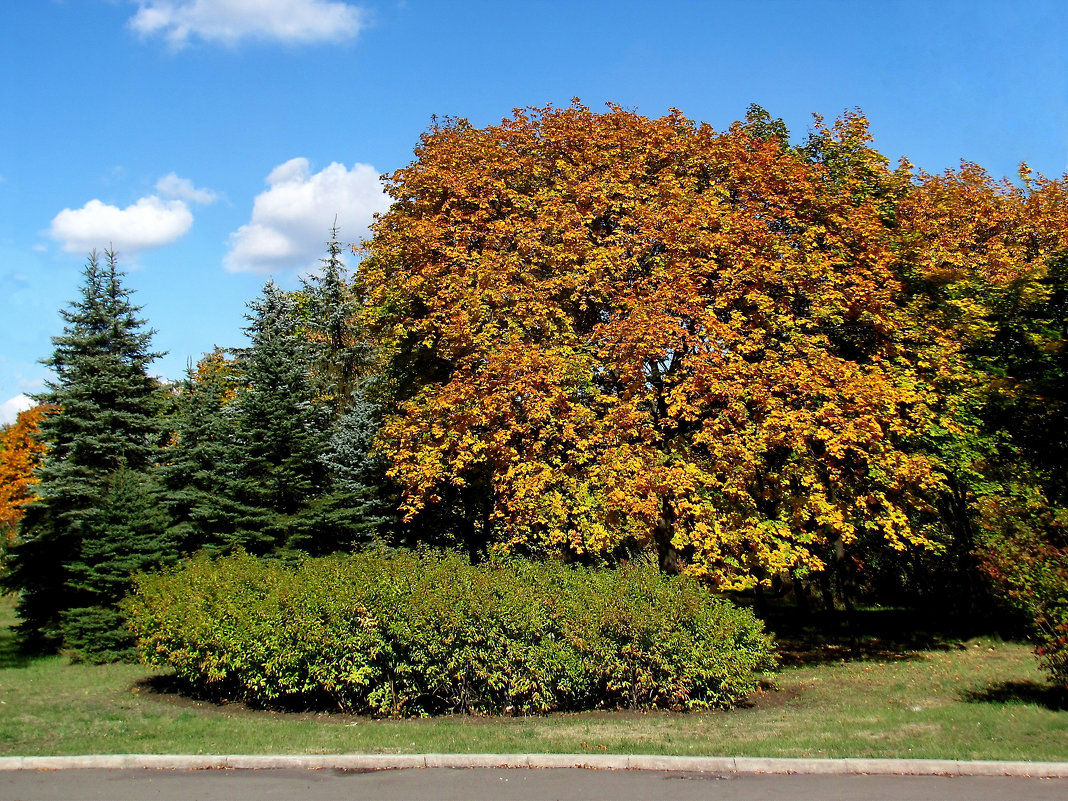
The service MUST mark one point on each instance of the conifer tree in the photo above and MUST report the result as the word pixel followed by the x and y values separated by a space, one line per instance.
pixel 272 447
pixel 200 467
pixel 131 536
pixel 353 508
pixel 337 351
pixel 79 543
pixel 279 426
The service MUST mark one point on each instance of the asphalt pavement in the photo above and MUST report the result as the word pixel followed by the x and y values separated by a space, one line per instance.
pixel 484 784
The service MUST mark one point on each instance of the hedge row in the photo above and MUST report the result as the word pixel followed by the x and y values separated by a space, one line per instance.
pixel 407 634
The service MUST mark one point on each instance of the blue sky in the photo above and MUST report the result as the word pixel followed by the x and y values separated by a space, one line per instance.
pixel 213 141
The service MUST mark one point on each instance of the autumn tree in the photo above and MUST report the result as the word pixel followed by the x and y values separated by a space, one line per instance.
pixel 989 260
pixel 1023 503
pixel 608 333
pixel 85 533
pixel 21 452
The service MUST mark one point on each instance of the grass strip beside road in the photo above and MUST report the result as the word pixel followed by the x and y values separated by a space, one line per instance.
pixel 983 699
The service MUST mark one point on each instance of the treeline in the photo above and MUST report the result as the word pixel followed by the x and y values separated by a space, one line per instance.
pixel 265 449
pixel 592 336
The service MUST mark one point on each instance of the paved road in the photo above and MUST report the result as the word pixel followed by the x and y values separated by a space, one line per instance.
pixel 444 784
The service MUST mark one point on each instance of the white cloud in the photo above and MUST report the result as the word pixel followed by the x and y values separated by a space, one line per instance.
pixel 149 223
pixel 10 408
pixel 171 185
pixel 229 21
pixel 291 220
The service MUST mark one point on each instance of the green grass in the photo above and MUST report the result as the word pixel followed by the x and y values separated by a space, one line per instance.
pixel 978 699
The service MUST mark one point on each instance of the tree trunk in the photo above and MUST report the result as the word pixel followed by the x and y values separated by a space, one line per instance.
pixel 760 603
pixel 845 587
pixel 826 592
pixel 663 533
pixel 801 598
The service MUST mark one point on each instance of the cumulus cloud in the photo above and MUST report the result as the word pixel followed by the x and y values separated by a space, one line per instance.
pixel 149 223
pixel 171 185
pixel 10 408
pixel 230 21
pixel 291 220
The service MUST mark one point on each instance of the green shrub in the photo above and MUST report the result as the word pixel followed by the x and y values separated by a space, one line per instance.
pixel 408 634
pixel 1024 552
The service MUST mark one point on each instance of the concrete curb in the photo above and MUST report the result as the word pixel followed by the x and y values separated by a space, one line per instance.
pixel 909 767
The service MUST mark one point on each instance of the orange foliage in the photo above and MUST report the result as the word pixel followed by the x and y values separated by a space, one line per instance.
pixel 20 454
pixel 217 368
pixel 981 250
pixel 969 225
pixel 645 332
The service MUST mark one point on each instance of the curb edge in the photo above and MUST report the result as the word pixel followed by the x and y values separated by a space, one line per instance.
pixel 651 762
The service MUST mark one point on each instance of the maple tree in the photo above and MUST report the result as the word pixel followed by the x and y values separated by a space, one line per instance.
pixel 991 259
pixel 21 451
pixel 606 332
pixel 985 260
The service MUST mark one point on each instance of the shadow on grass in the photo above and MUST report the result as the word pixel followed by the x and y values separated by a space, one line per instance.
pixel 176 691
pixel 868 634
pixel 170 686
pixel 11 656
pixel 171 690
pixel 1020 692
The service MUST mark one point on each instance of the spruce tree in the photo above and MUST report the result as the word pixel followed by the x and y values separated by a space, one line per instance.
pixel 338 353
pixel 130 536
pixel 271 451
pixel 200 470
pixel 279 426
pixel 94 521
pixel 353 508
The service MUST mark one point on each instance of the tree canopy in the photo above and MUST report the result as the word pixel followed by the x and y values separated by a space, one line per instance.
pixel 621 331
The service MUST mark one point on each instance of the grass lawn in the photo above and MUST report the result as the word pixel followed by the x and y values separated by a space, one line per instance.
pixel 974 699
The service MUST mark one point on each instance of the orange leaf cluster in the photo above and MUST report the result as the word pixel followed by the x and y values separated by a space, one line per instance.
pixel 645 332
pixel 20 455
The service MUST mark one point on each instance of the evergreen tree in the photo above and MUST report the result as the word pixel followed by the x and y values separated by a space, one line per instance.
pixel 272 448
pixel 130 537
pixel 354 509
pixel 280 426
pixel 102 440
pixel 200 471
pixel 338 353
